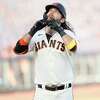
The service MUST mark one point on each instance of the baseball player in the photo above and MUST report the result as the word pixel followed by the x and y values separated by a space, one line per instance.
pixel 51 39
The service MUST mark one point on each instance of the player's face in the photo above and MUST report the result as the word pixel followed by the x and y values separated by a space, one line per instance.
pixel 54 14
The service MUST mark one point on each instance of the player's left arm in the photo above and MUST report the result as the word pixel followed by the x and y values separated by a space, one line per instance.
pixel 68 36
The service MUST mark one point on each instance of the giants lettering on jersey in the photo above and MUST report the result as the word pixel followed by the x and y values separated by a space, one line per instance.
pixel 52 43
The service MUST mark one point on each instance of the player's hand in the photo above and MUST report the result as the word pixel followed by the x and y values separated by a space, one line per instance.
pixel 53 24
pixel 40 24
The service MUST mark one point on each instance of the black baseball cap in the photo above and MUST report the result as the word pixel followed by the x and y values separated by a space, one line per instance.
pixel 58 6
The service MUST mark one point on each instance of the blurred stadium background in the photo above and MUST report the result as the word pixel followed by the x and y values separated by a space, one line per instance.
pixel 16 72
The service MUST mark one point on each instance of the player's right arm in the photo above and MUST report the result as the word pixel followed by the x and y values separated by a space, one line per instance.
pixel 22 44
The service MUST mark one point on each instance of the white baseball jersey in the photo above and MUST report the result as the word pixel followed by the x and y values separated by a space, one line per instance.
pixel 52 65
